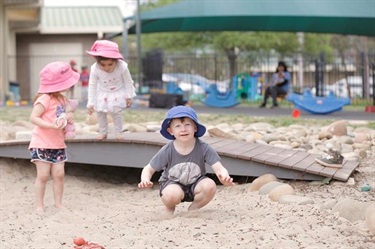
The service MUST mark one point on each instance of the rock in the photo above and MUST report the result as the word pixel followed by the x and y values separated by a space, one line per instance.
pixel 266 188
pixel 283 146
pixel 370 218
pixel 351 210
pixel 328 204
pixel 260 127
pixel 324 135
pixel 346 139
pixel 217 132
pixel 262 180
pixel 294 199
pixel 153 127
pixel 360 137
pixel 23 135
pixel 137 128
pixel 338 128
pixel 350 181
pixel 277 192
pixel 91 119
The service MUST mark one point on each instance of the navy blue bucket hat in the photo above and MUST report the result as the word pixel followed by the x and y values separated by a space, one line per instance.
pixel 181 112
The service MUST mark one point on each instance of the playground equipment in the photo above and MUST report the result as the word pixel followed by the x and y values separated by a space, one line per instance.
pixel 248 86
pixel 243 86
pixel 215 98
pixel 306 102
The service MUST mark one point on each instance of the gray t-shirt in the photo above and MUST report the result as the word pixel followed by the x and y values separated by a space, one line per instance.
pixel 185 169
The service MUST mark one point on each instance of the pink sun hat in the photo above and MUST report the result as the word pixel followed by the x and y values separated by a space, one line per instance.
pixel 56 77
pixel 105 48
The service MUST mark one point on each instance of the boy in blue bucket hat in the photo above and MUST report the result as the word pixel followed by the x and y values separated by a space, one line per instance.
pixel 183 161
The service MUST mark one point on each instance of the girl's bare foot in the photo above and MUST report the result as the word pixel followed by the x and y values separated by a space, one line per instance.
pixel 101 137
pixel 59 206
pixel 120 137
pixel 40 210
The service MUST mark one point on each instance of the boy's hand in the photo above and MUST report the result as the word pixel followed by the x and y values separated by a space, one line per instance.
pixel 222 174
pixel 145 184
pixel 226 180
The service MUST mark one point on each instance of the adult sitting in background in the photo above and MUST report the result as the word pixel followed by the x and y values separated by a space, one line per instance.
pixel 279 86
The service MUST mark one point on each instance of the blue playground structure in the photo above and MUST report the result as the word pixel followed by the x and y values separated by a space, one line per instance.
pixel 243 86
pixel 306 102
pixel 215 98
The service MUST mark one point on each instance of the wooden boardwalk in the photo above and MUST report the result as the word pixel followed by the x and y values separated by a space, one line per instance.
pixel 240 158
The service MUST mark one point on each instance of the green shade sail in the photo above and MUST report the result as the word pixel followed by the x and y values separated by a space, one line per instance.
pixel 354 17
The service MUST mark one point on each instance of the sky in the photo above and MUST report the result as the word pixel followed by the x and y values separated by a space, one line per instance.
pixel 127 7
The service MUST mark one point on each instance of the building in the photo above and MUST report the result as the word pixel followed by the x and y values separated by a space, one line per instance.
pixel 34 35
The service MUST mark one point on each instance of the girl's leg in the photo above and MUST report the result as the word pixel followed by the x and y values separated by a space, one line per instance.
pixel 204 192
pixel 117 122
pixel 58 173
pixel 171 197
pixel 42 176
pixel 103 125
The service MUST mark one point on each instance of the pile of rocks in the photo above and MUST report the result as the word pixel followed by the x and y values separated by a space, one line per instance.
pixel 353 138
pixel 284 193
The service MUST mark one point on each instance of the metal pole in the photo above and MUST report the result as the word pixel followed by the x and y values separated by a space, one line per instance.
pixel 139 49
pixel 300 37
pixel 125 40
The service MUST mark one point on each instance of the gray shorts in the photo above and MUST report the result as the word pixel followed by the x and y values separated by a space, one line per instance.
pixel 188 189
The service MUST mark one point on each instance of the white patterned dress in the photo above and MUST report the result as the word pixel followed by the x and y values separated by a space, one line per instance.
pixel 109 90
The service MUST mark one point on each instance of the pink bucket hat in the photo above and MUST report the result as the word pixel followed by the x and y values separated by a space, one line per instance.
pixel 105 48
pixel 57 77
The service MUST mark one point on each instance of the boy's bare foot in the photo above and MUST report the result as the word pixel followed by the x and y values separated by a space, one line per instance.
pixel 101 137
pixel 169 211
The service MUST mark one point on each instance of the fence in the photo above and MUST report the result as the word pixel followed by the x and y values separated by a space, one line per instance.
pixel 354 78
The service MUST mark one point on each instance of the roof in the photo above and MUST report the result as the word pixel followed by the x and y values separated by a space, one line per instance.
pixel 81 20
pixel 329 16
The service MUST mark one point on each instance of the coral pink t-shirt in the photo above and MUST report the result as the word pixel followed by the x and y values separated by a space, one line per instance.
pixel 45 138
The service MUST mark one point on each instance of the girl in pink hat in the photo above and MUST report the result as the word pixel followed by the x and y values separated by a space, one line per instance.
pixel 111 87
pixel 47 145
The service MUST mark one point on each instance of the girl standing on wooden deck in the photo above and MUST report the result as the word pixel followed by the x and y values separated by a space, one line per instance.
pixel 111 87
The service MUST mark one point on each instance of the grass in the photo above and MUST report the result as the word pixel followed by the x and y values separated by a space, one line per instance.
pixel 12 114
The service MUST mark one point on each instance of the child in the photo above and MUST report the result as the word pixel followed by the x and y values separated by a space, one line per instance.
pixel 84 79
pixel 111 87
pixel 183 161
pixel 70 92
pixel 47 146
pixel 280 85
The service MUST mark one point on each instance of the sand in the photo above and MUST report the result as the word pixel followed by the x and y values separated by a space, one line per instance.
pixel 104 205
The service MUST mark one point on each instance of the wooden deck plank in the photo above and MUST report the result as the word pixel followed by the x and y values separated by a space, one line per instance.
pixel 136 137
pixel 222 143
pixel 275 160
pixel 251 159
pixel 305 163
pixel 244 148
pixel 291 161
pixel 211 140
pixel 248 155
pixel 316 169
pixel 346 170
pixel 231 149
pixel 328 172
pixel 267 154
